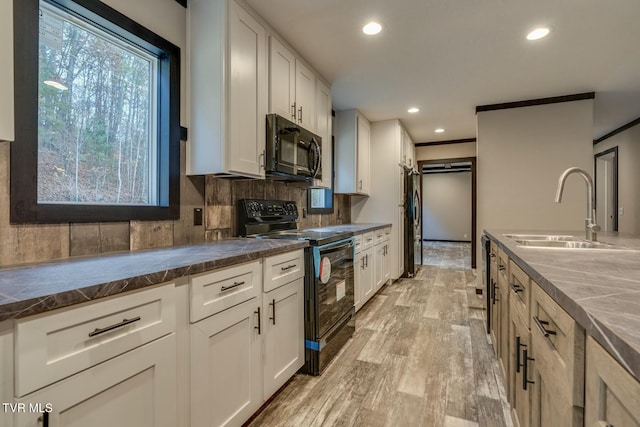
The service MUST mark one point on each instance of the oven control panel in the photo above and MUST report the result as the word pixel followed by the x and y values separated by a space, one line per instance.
pixel 269 208
pixel 256 216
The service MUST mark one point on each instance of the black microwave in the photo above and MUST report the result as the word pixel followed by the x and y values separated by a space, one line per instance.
pixel 293 153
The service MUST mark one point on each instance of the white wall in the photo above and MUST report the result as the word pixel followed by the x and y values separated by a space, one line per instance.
pixel 628 143
pixel 446 206
pixel 521 154
pixel 446 151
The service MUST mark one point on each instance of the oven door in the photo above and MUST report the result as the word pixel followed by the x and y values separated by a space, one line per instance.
pixel 333 283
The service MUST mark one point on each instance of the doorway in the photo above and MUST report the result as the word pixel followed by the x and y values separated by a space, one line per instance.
pixel 606 180
pixel 451 185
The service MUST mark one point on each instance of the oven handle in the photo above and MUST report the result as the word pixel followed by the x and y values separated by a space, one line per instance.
pixel 315 147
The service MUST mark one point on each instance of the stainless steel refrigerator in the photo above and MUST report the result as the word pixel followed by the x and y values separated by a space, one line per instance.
pixel 412 223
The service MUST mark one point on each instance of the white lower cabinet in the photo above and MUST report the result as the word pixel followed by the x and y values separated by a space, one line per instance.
pixel 378 266
pixel 226 366
pixel 363 277
pixel 283 334
pixel 135 389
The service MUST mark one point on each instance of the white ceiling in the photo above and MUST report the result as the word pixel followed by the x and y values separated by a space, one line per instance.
pixel 449 56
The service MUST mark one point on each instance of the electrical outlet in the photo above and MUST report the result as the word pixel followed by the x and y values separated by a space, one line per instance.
pixel 466 236
pixel 197 216
pixel 304 212
pixel 620 211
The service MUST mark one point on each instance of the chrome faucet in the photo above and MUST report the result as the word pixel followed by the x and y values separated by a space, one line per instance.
pixel 590 227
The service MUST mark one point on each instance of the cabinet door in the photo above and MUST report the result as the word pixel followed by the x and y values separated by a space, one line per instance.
pixel 558 345
pixel 378 266
pixel 305 97
pixel 496 310
pixel 386 264
pixel 612 396
pixel 364 155
pixel 283 321
pixel 226 366
pixel 6 71
pixel 282 80
pixel 519 377
pixel 505 318
pixel 247 93
pixel 136 389
pixel 323 129
pixel 358 266
pixel 367 279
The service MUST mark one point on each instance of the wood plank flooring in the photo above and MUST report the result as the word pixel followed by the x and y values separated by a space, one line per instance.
pixel 419 357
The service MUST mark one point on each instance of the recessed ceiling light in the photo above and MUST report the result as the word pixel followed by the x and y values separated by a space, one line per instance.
pixel 372 28
pixel 439 130
pixel 538 33
pixel 413 110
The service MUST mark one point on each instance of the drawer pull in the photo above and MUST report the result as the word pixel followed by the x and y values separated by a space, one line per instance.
pixel 541 325
pixel 492 255
pixel 502 267
pixel 124 322
pixel 44 419
pixel 518 346
pixel 516 288
pixel 273 304
pixel 525 362
pixel 235 285
pixel 288 267
pixel 259 328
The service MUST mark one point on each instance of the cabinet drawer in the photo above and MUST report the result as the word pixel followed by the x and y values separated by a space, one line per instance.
pixel 282 269
pixel 558 347
pixel 368 240
pixel 52 346
pixel 220 289
pixel 359 239
pixel 387 234
pixel 519 291
pixel 380 236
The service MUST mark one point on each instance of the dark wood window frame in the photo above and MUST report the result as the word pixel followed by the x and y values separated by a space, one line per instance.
pixel 24 150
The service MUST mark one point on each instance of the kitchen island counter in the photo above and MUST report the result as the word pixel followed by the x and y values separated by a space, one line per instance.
pixel 600 289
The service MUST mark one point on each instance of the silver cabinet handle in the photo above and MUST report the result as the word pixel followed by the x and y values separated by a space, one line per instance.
pixel 235 285
pixel 124 322
pixel 293 111
pixel 262 163
pixel 300 114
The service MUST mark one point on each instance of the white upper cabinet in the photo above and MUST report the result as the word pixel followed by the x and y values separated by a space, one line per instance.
pixel 305 97
pixel 282 80
pixel 229 90
pixel 409 149
pixel 292 87
pixel 323 129
pixel 6 70
pixel 353 153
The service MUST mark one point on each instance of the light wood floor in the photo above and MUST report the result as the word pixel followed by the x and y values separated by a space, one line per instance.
pixel 419 357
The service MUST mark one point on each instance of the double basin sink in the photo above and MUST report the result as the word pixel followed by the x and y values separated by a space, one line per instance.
pixel 558 241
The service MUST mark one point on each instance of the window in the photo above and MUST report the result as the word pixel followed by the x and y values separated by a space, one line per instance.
pixel 97 117
pixel 320 200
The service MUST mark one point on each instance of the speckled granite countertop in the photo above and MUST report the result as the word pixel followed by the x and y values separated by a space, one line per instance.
pixel 598 288
pixel 36 288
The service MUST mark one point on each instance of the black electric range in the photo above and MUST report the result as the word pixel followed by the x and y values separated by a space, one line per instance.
pixel 329 280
